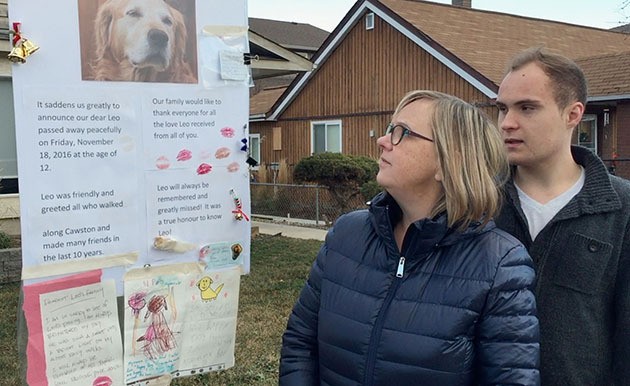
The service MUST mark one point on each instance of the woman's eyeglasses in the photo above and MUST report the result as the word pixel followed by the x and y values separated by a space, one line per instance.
pixel 397 132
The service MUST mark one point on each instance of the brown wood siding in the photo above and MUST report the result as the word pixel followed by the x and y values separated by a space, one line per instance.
pixel 5 41
pixel 361 84
pixel 4 19
pixel 622 122
pixel 606 134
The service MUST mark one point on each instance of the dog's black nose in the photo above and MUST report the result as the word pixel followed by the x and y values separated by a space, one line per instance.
pixel 157 38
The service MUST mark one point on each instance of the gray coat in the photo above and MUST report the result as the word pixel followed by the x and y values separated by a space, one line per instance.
pixel 582 260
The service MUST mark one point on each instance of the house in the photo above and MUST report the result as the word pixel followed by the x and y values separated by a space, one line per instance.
pixel 622 28
pixel 384 48
pixel 294 44
pixel 301 38
pixel 282 50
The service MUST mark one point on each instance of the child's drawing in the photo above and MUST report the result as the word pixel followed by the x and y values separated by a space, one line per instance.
pixel 158 337
pixel 137 301
pixel 207 293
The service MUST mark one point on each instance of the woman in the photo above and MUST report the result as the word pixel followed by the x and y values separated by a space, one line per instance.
pixel 421 288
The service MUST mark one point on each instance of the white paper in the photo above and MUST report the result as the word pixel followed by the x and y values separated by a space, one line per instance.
pixel 94 155
pixel 233 66
pixel 82 335
pixel 179 321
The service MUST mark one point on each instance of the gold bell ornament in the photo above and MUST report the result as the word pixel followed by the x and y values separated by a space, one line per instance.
pixel 28 47
pixel 22 47
pixel 17 55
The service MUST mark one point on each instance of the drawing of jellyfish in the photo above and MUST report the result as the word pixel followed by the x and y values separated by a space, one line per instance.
pixel 158 337
pixel 136 301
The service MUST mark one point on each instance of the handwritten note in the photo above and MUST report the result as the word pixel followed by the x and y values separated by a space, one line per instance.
pixel 82 336
pixel 221 255
pixel 232 66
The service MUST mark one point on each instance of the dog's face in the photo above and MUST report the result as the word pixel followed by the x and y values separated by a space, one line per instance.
pixel 146 33
pixel 204 283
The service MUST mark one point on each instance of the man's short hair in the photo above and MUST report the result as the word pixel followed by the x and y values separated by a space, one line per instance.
pixel 566 77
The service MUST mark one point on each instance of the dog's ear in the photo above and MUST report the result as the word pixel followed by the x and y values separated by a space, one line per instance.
pixel 179 69
pixel 180 36
pixel 102 28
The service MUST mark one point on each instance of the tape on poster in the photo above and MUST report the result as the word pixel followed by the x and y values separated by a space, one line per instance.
pixel 45 270
pixel 225 30
pixel 169 269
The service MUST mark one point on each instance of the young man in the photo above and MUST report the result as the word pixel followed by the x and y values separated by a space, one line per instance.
pixel 573 217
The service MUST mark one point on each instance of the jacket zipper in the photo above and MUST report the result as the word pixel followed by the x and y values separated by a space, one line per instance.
pixel 401 267
pixel 380 321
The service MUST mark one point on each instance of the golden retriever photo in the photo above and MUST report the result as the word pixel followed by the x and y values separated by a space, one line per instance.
pixel 140 41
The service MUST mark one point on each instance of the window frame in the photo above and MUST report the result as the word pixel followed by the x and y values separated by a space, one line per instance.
pixel 594 131
pixel 8 145
pixel 258 148
pixel 326 124
pixel 369 21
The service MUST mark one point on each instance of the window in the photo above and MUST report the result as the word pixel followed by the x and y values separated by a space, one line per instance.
pixel 326 137
pixel 369 21
pixel 254 148
pixel 587 132
pixel 8 152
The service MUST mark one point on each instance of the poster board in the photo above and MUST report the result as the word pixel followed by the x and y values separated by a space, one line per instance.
pixel 131 130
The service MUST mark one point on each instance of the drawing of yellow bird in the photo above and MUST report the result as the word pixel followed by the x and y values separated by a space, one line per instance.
pixel 207 293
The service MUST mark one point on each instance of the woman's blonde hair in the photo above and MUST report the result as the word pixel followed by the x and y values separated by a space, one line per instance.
pixel 471 157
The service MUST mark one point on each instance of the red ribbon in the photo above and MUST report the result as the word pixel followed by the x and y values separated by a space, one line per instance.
pixel 239 210
pixel 16 33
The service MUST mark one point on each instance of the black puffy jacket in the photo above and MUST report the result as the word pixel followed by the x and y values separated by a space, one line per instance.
pixel 455 308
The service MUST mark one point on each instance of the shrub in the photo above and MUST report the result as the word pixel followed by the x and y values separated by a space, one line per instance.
pixel 344 175
pixel 5 241
pixel 370 189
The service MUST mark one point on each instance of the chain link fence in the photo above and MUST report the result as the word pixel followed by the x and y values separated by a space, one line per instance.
pixel 307 202
pixel 618 166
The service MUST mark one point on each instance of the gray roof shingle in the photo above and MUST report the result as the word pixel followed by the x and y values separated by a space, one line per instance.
pixel 290 35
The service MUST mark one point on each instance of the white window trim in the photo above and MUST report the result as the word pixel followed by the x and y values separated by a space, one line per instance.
pixel 257 135
pixel 369 21
pixel 332 122
pixel 590 117
pixel 8 149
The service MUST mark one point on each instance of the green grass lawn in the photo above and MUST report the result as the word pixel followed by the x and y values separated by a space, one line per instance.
pixel 279 266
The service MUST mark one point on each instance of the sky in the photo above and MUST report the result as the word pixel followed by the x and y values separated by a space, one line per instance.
pixel 326 14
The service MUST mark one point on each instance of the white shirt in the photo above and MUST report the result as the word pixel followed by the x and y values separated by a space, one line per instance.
pixel 538 215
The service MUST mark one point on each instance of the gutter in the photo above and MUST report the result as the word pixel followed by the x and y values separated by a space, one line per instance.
pixel 260 117
pixel 608 98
